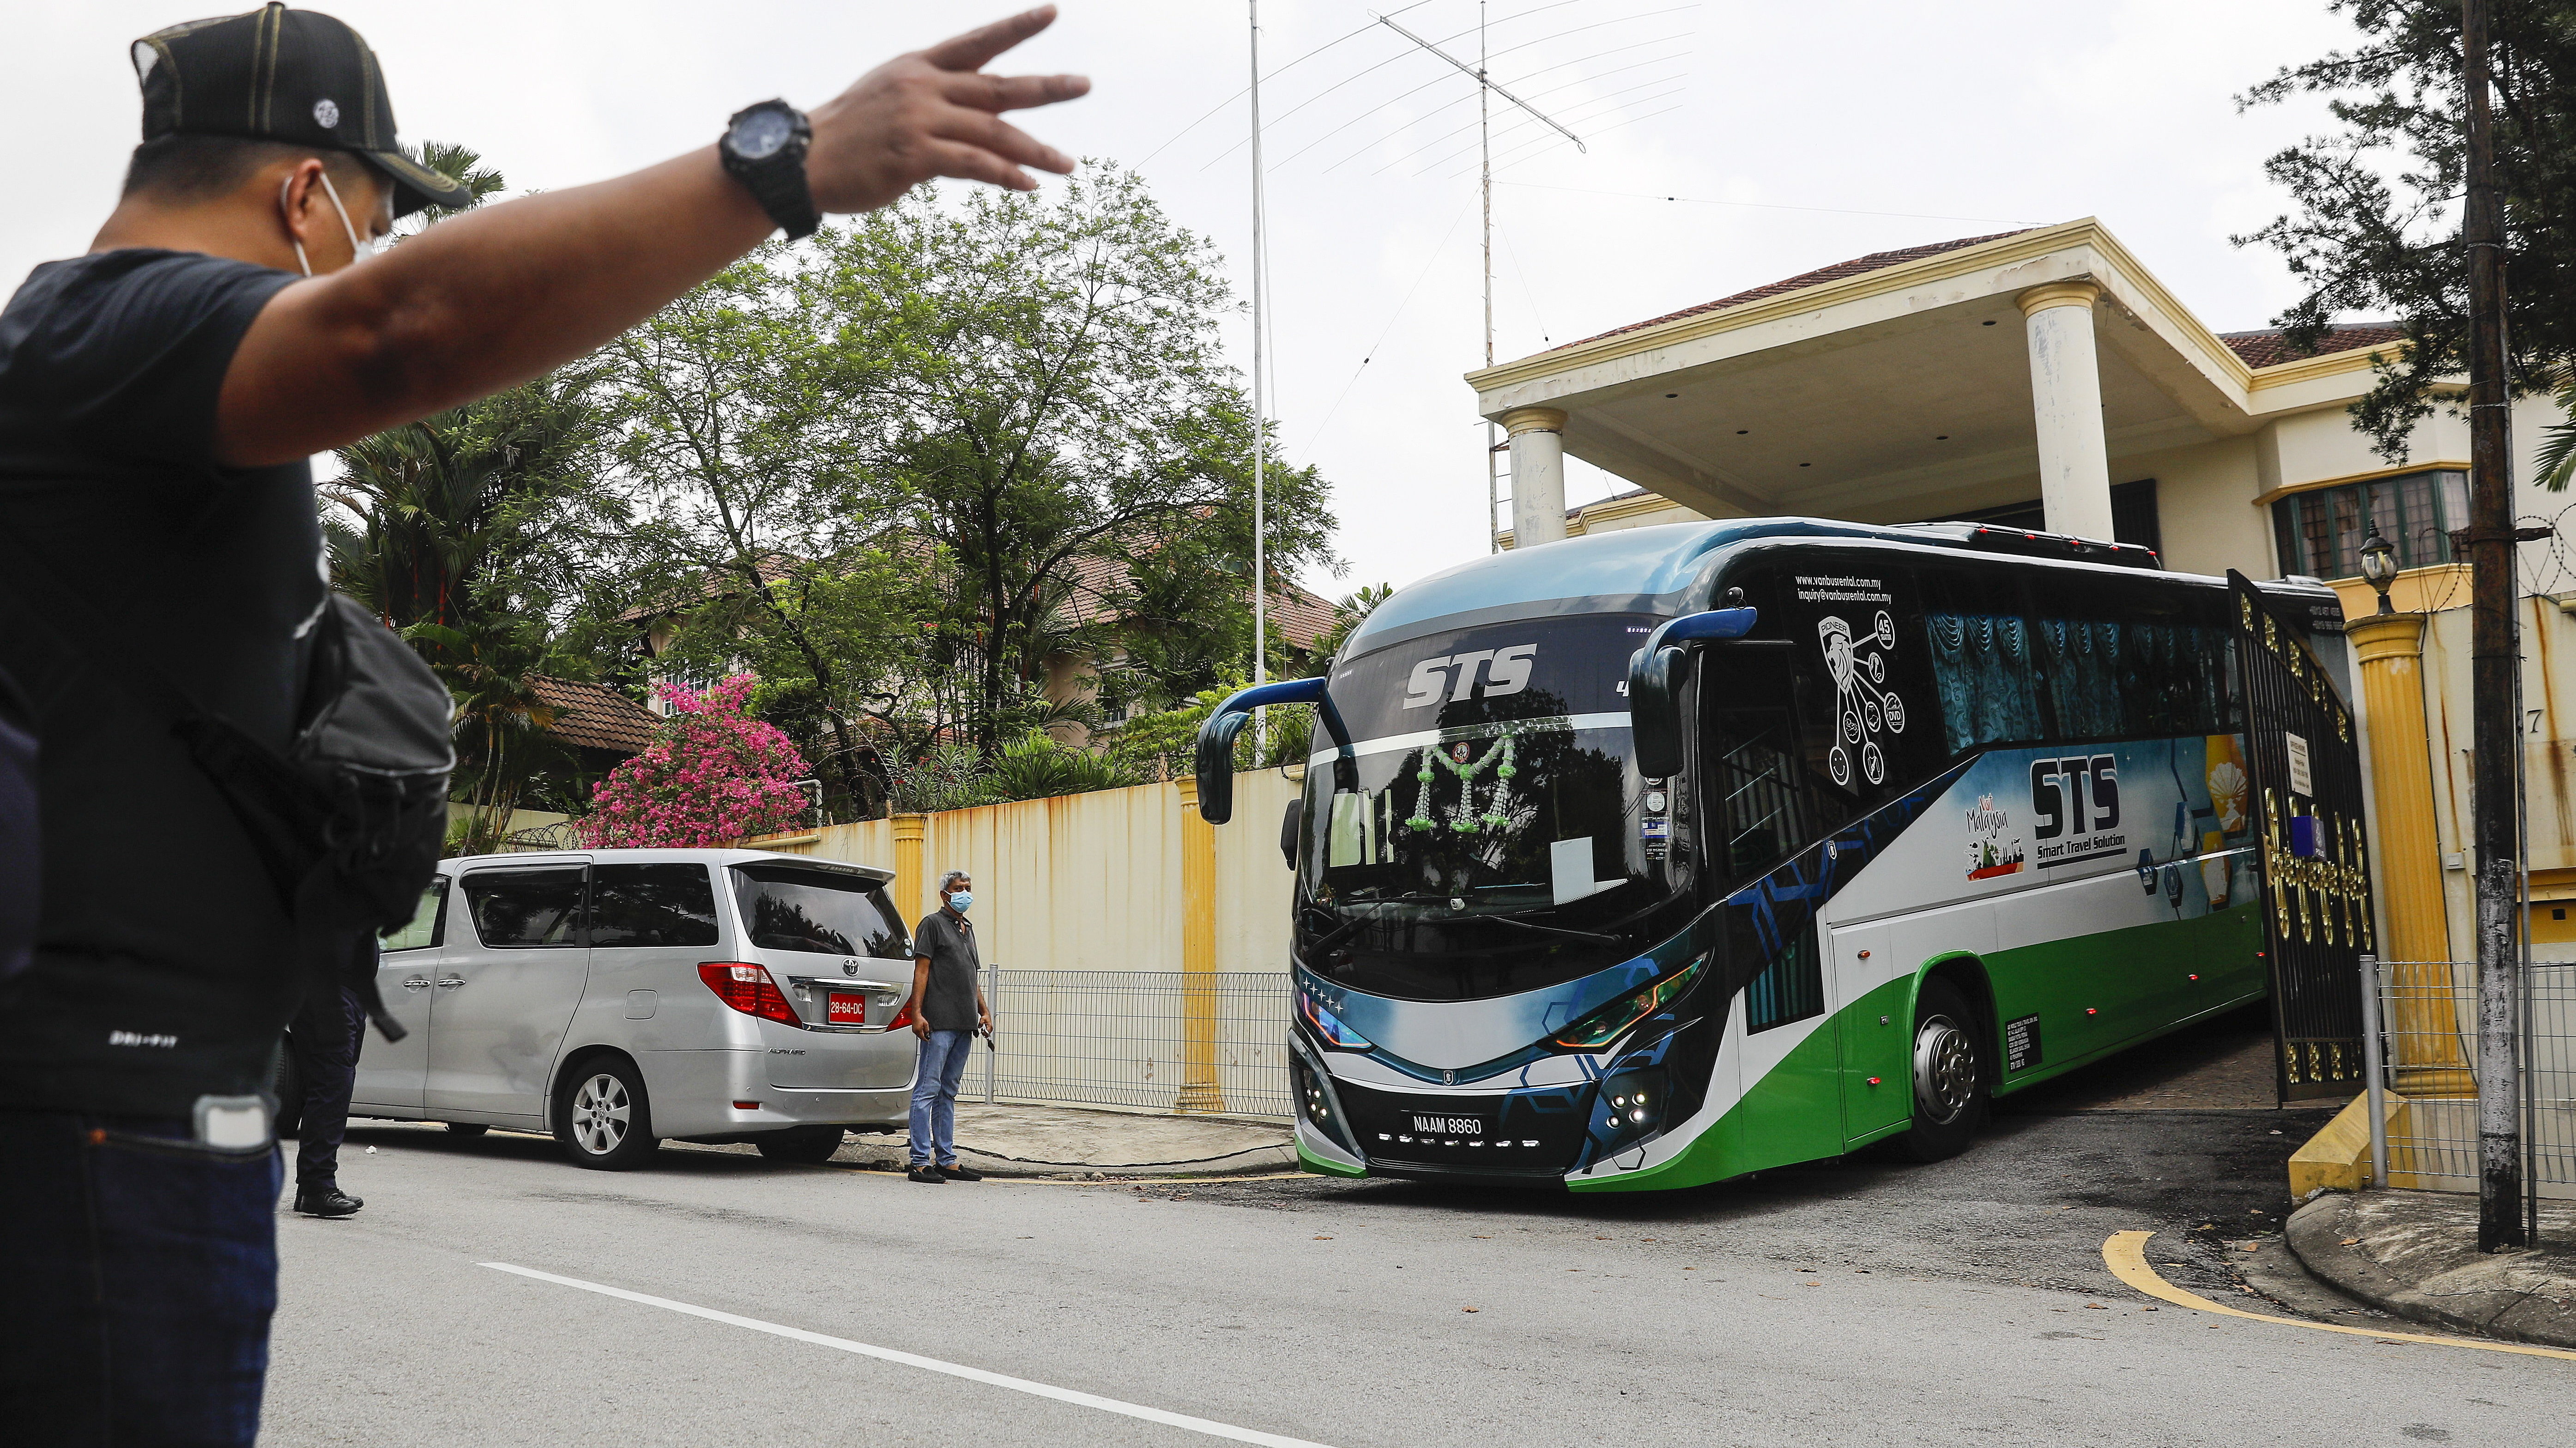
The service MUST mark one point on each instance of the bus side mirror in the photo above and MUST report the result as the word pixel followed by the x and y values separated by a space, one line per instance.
pixel 1215 753
pixel 1656 674
pixel 1289 824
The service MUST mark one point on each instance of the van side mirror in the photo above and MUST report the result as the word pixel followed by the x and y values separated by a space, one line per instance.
pixel 1214 759
pixel 1656 674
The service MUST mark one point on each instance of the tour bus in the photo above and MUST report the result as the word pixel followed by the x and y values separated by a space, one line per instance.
pixel 1655 857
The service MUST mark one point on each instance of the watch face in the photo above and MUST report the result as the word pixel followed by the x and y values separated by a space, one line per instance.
pixel 760 134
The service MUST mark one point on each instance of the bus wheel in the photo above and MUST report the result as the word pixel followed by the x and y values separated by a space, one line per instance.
pixel 1949 1079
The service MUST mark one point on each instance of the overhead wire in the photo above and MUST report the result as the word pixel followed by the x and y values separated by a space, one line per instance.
pixel 1596 130
pixel 1460 100
pixel 1396 316
pixel 1539 97
pixel 1437 79
pixel 1585 111
pixel 1533 96
pixel 1247 90
pixel 1544 336
pixel 1381 65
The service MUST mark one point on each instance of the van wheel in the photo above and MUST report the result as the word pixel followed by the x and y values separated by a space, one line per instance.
pixel 1949 1075
pixel 602 1119
pixel 812 1145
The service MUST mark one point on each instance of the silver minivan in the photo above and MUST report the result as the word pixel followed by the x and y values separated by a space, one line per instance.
pixel 619 997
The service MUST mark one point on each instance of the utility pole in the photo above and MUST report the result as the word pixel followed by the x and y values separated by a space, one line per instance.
pixel 2495 663
pixel 1260 408
pixel 1485 153
pixel 1486 89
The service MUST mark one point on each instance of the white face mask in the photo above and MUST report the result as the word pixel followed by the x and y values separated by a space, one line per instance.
pixel 358 250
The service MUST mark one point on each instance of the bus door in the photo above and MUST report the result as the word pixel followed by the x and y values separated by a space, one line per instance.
pixel 1758 811
pixel 2306 796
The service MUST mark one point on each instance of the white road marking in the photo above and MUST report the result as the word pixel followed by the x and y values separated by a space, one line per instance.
pixel 915 1360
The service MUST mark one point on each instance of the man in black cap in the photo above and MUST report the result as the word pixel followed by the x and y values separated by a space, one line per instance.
pixel 159 398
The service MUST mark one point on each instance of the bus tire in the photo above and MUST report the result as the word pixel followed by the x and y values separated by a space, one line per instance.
pixel 1949 1075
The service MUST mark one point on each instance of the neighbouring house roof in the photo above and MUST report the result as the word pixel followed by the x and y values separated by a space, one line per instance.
pixel 595 716
pixel 1875 261
pixel 2267 347
pixel 1096 584
pixel 709 583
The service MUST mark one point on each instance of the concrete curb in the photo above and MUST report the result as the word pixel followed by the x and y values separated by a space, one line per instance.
pixel 2477 1301
pixel 1251 1161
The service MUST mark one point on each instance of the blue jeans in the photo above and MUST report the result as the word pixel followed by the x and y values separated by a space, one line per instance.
pixel 934 1095
pixel 138 1271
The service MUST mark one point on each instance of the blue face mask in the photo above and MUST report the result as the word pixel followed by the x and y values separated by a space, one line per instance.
pixel 962 901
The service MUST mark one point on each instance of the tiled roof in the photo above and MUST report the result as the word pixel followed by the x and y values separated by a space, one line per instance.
pixel 2268 348
pixel 1094 584
pixel 1857 266
pixel 594 716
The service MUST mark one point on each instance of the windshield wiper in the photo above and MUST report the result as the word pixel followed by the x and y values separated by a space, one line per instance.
pixel 1519 924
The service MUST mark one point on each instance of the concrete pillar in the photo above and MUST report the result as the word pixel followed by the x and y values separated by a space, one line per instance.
pixel 908 830
pixel 1538 474
pixel 2066 399
pixel 1199 1088
pixel 2416 939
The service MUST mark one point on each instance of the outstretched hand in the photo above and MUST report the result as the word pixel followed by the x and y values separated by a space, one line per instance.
pixel 935 113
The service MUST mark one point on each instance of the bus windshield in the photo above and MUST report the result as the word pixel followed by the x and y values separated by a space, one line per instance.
pixel 1502 843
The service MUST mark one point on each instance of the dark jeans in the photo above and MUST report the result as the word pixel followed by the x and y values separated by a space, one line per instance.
pixel 325 1038
pixel 138 1271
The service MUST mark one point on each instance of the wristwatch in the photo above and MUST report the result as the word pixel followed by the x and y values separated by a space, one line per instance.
pixel 764 148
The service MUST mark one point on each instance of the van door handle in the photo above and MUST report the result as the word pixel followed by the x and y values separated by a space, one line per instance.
pixel 418 982
pixel 451 983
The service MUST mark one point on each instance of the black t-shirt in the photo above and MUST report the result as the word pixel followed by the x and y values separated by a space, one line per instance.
pixel 948 943
pixel 163 968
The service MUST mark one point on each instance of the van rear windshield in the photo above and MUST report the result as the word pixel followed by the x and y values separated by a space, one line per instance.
pixel 785 908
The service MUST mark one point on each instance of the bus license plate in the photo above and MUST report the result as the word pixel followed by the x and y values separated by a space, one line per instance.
pixel 1448 1126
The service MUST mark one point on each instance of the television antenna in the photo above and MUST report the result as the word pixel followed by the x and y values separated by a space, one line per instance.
pixel 1486 90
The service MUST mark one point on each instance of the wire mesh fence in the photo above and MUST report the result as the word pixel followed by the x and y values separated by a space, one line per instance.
pixel 1161 1040
pixel 2429 1024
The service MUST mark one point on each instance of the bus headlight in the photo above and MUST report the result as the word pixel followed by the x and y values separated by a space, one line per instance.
pixel 1327 1026
pixel 1612 1021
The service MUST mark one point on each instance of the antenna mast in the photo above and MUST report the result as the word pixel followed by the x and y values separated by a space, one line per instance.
pixel 1486 89
pixel 1260 406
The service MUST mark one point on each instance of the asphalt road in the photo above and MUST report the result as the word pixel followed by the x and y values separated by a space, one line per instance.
pixel 1861 1302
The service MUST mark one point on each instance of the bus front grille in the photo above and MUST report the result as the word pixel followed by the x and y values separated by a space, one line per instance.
pixel 1536 1132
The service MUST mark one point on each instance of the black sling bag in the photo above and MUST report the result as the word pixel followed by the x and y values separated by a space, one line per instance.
pixel 349 822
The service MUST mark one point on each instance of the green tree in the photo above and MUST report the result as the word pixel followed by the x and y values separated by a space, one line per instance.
pixel 906 471
pixel 2374 228
pixel 468 531
pixel 1057 407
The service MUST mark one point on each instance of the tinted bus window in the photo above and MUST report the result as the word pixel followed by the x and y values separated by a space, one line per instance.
pixel 651 905
pixel 785 908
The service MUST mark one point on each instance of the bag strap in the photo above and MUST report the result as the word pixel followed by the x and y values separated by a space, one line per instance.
pixel 269 800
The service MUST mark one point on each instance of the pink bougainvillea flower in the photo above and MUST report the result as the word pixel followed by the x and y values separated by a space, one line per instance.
pixel 710 777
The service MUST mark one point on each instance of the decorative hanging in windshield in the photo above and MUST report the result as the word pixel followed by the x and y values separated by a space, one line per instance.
pixel 1463 817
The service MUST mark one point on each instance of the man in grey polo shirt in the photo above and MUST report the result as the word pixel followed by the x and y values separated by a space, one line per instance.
pixel 947 1011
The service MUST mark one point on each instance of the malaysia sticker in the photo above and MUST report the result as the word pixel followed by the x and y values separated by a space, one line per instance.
pixel 1993 848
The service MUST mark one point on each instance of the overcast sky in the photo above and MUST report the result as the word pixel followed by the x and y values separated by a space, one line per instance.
pixel 1792 134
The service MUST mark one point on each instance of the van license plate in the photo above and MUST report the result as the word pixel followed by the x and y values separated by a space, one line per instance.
pixel 848 1010
pixel 1448 1126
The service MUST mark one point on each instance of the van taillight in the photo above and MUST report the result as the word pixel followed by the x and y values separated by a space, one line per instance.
pixel 748 989
pixel 902 1019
